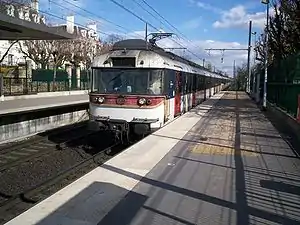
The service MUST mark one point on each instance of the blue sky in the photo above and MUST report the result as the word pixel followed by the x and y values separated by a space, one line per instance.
pixel 206 23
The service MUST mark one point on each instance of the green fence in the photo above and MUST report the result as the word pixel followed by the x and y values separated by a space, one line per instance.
pixel 46 76
pixel 283 85
pixel 285 96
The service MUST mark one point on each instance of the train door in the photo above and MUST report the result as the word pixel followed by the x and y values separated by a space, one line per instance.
pixel 178 92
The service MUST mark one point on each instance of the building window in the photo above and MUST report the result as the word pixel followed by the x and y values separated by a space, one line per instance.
pixel 10 59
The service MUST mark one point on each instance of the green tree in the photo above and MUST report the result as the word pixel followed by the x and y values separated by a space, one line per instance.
pixel 241 77
pixel 284 31
pixel 209 67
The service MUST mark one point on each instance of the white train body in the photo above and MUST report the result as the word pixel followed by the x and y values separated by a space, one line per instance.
pixel 137 87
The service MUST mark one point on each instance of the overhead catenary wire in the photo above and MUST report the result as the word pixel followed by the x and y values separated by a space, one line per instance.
pixel 172 28
pixel 59 17
pixel 134 14
pixel 126 9
pixel 65 7
pixel 98 16
pixel 137 16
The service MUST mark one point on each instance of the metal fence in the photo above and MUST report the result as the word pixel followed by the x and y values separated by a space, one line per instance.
pixel 22 86
pixel 283 85
pixel 285 96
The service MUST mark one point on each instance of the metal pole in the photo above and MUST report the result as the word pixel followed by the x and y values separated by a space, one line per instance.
pixel 26 65
pixel 146 35
pixel 203 62
pixel 234 75
pixel 254 75
pixel 1 86
pixel 266 60
pixel 249 56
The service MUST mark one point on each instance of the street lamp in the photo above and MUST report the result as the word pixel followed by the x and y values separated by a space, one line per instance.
pixel 266 2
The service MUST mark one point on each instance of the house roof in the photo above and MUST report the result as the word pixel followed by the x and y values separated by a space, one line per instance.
pixel 12 27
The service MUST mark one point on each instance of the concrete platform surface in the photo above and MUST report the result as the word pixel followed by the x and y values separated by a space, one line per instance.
pixel 31 104
pixel 221 163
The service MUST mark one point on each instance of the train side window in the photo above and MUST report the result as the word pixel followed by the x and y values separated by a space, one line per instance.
pixel 155 81
pixel 183 82
pixel 194 82
pixel 190 83
pixel 169 82
pixel 179 82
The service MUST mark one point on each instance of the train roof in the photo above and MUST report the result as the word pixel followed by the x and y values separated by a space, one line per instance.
pixel 139 44
pixel 145 50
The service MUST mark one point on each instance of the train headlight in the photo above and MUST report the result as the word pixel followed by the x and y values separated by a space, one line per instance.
pixel 95 99
pixel 149 102
pixel 101 99
pixel 142 101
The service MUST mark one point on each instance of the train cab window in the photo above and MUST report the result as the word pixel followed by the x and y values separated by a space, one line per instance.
pixel 128 81
pixel 124 61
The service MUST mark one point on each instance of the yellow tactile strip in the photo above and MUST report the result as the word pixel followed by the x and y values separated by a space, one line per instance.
pixel 208 149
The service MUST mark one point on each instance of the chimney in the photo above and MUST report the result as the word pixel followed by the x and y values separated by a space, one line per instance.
pixel 92 30
pixel 35 5
pixel 70 24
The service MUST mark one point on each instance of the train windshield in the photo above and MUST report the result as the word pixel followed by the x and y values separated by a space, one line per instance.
pixel 127 81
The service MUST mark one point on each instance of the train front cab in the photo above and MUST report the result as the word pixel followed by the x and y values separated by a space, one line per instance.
pixel 127 100
pixel 176 92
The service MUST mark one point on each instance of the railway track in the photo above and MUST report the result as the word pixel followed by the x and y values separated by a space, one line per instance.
pixel 20 152
pixel 77 155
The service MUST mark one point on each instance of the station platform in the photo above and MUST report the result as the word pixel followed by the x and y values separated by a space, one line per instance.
pixel 37 102
pixel 221 163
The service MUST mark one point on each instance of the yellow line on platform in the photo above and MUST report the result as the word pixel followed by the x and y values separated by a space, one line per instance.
pixel 208 149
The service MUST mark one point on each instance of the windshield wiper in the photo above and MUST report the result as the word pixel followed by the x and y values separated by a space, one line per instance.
pixel 117 76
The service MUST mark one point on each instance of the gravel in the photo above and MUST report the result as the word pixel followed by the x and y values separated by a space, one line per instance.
pixel 26 175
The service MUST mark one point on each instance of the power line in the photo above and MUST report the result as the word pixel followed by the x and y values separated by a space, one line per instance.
pixel 173 27
pixel 132 13
pixel 165 20
pixel 47 13
pixel 122 6
pixel 141 6
pixel 93 14
pixel 64 7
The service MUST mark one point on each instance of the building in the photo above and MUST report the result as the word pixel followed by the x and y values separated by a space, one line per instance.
pixel 16 57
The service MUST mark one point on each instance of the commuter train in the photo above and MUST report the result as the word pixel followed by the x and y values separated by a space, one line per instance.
pixel 137 87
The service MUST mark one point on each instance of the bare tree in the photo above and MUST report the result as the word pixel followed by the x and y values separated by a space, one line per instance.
pixel 59 51
pixel 241 77
pixel 12 43
pixel 105 48
pixel 113 38
pixel 37 51
pixel 25 2
pixel 83 51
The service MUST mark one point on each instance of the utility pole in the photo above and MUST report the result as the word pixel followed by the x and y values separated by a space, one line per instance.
pixel 266 55
pixel 254 75
pixel 241 49
pixel 234 75
pixel 249 55
pixel 146 35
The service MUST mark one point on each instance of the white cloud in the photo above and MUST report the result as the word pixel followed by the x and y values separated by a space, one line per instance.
pixel 238 17
pixel 206 6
